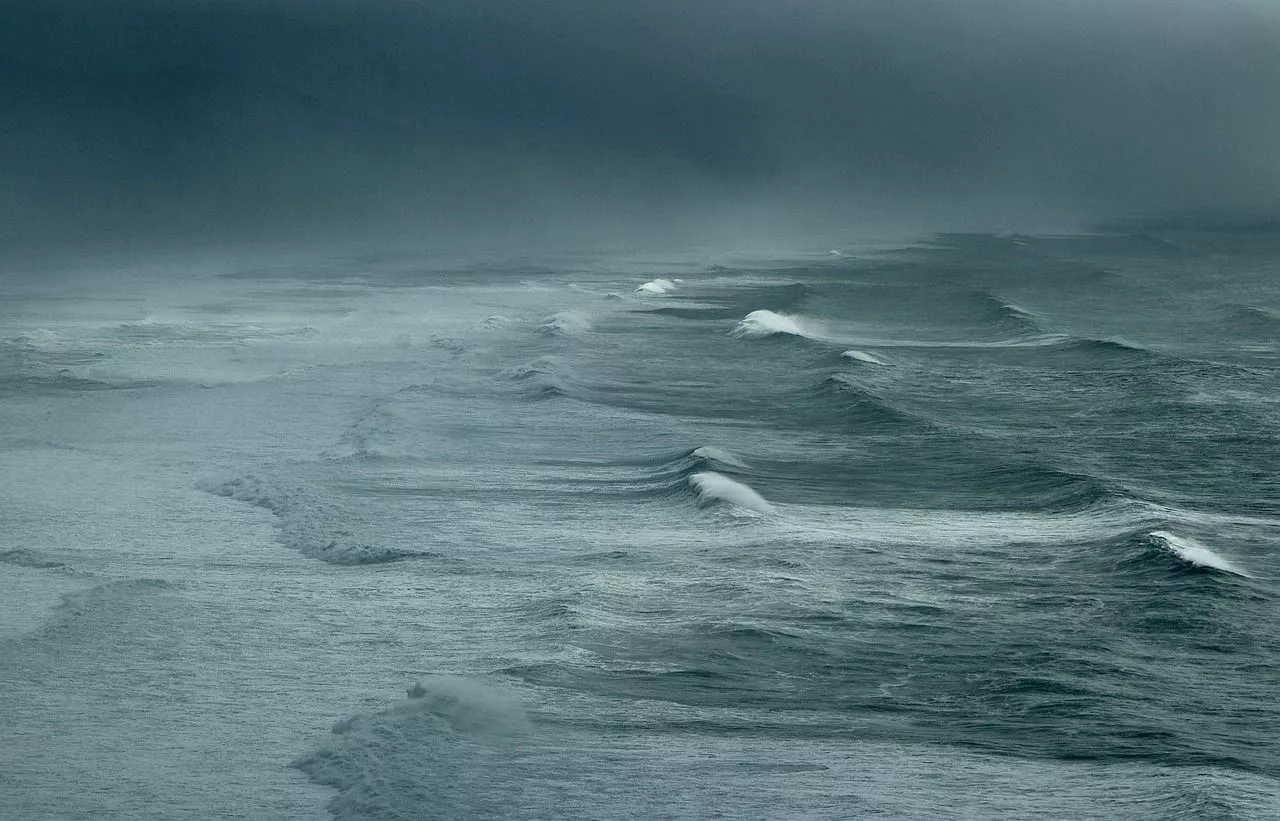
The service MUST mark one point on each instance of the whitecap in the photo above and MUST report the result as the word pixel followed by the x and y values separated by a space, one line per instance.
pixel 657 286
pixel 565 322
pixel 863 356
pixel 1193 552
pixel 759 324
pixel 715 487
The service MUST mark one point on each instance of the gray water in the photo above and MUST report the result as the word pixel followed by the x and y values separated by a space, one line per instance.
pixel 974 527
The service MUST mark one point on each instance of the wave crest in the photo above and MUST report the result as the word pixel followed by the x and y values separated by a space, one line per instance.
pixel 565 323
pixel 1194 553
pixel 864 357
pixel 657 287
pixel 760 324
pixel 713 488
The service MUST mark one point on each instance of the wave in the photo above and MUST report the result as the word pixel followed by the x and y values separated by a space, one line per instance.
pixel 431 747
pixel 94 606
pixel 710 454
pixel 667 475
pixel 742 299
pixel 657 287
pixel 1010 315
pixel 373 435
pixel 1050 343
pixel 155 331
pixel 1253 319
pixel 22 557
pixel 686 462
pixel 1111 347
pixel 363 439
pixel 864 357
pixel 1049 489
pixel 541 366
pixel 1194 553
pixel 565 323
pixel 314 528
pixel 713 488
pixel 546 377
pixel 761 324
pixel 1013 342
pixel 858 403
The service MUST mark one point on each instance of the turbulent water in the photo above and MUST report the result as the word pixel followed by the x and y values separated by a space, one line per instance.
pixel 981 527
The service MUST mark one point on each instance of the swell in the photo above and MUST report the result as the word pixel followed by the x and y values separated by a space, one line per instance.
pixel 24 557
pixel 851 402
pixel 1251 320
pixel 1008 316
pixel 93 607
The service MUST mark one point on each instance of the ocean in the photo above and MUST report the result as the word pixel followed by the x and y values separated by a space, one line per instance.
pixel 968 526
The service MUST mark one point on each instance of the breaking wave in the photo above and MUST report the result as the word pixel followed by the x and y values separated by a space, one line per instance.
pixel 453 744
pixel 657 287
pixel 713 488
pixel 1194 553
pixel 760 324
pixel 565 323
pixel 863 357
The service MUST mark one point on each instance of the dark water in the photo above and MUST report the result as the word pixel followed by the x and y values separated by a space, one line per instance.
pixel 981 527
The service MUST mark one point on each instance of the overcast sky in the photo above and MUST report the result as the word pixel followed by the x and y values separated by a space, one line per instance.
pixel 228 118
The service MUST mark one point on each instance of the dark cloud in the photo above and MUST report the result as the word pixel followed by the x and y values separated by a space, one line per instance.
pixel 216 119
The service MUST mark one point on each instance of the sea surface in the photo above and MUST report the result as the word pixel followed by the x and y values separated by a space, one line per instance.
pixel 967 527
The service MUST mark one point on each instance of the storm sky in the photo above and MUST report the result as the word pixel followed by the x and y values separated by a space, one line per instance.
pixel 217 119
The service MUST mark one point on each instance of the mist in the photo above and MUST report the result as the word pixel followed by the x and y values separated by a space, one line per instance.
pixel 466 121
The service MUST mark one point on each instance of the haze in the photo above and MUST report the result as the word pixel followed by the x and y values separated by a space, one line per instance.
pixel 239 120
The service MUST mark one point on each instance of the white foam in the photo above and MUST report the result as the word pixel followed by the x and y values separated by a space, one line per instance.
pixel 759 324
pixel 716 487
pixel 1193 552
pixel 863 356
pixel 657 286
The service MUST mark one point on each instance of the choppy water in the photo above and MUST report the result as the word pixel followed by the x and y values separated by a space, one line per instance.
pixel 981 527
